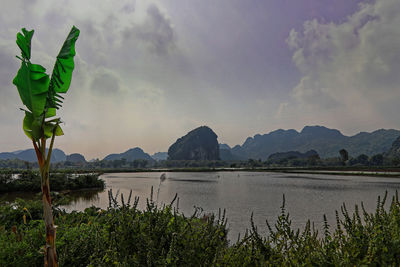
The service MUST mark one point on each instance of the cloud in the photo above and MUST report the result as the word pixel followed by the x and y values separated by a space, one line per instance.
pixel 149 71
pixel 116 80
pixel 350 70
pixel 106 82
pixel 156 33
pixel 8 64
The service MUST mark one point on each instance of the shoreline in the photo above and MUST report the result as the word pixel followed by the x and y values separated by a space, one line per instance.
pixel 374 172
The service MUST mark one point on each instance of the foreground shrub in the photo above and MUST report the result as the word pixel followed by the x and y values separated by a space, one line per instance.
pixel 122 235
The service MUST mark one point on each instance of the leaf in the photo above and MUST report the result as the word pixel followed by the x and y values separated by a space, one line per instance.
pixel 32 84
pixel 39 93
pixel 27 125
pixel 59 131
pixel 31 127
pixel 63 68
pixel 50 128
pixel 51 112
pixel 31 80
pixel 24 43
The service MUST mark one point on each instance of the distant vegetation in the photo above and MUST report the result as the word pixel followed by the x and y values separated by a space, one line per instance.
pixel 287 159
pixel 30 181
pixel 122 235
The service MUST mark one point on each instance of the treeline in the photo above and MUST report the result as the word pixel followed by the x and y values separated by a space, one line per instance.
pixel 31 181
pixel 343 159
pixel 378 160
pixel 122 235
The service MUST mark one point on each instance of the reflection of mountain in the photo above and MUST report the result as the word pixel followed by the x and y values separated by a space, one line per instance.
pixel 327 142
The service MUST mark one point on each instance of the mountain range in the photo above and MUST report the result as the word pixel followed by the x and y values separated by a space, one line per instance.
pixel 29 155
pixel 326 142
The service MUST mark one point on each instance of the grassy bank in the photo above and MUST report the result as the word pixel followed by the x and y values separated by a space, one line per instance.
pixel 122 235
pixel 338 170
pixel 29 181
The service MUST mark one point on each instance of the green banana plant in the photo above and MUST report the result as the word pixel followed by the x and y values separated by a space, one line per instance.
pixel 41 95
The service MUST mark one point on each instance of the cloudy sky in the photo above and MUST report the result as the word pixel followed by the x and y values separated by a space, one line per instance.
pixel 147 72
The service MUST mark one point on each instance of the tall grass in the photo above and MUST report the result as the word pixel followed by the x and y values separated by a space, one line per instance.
pixel 122 235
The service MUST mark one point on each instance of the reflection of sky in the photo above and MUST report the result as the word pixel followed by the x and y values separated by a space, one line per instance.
pixel 147 73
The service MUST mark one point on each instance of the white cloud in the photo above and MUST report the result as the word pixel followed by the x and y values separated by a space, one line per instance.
pixel 156 33
pixel 350 69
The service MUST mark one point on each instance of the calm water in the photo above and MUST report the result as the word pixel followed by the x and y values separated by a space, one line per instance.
pixel 308 196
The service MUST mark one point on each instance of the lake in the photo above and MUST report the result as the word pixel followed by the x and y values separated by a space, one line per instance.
pixel 308 196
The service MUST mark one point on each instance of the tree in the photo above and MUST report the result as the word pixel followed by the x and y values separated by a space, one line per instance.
pixel 41 95
pixel 376 160
pixel 361 160
pixel 344 155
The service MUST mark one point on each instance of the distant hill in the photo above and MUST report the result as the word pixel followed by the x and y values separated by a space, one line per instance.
pixel 76 158
pixel 130 155
pixel 160 156
pixel 225 153
pixel 224 146
pixel 199 144
pixel 29 155
pixel 394 151
pixel 327 142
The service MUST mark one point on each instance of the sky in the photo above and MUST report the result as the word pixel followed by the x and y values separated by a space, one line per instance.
pixel 147 72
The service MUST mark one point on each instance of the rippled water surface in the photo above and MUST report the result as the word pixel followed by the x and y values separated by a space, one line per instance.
pixel 308 196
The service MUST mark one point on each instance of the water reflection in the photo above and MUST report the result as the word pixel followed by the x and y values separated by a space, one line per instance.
pixel 85 196
pixel 73 197
pixel 308 196
pixel 10 197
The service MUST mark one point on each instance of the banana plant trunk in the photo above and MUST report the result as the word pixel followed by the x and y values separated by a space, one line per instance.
pixel 50 255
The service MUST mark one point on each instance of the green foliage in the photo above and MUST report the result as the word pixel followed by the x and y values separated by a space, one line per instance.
pixel 360 160
pixel 39 93
pixel 30 181
pixel 122 235
pixel 344 155
pixel 119 236
pixel 377 160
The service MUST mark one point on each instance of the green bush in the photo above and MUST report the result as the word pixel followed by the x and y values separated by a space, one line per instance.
pixel 30 181
pixel 122 235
